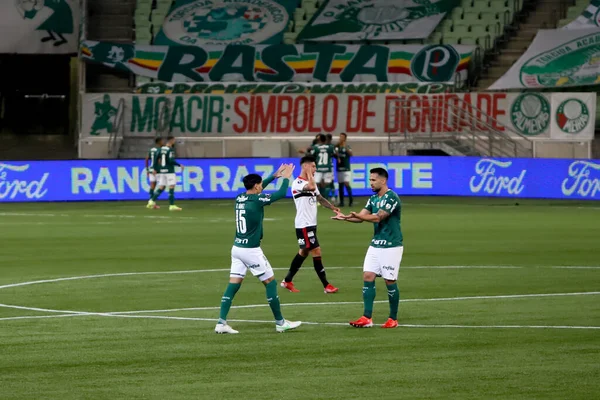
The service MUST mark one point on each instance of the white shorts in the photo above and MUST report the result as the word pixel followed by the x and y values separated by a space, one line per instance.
pixel 344 176
pixel 254 259
pixel 151 177
pixel 384 262
pixel 320 176
pixel 166 179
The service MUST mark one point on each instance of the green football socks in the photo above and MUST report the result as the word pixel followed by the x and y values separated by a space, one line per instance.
pixel 157 194
pixel 368 298
pixel 171 197
pixel 151 192
pixel 273 300
pixel 394 298
pixel 227 299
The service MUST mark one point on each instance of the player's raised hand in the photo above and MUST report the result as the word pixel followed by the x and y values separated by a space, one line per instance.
pixel 277 173
pixel 288 170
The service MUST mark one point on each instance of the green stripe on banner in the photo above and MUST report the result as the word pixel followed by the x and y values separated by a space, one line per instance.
pixel 150 55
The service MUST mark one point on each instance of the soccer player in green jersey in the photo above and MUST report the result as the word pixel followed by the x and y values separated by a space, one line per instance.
pixel 149 161
pixel 385 253
pixel 323 153
pixel 343 152
pixel 164 165
pixel 246 252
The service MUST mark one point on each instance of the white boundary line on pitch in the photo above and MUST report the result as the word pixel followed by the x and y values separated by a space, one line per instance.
pixel 213 320
pixel 132 314
pixel 73 278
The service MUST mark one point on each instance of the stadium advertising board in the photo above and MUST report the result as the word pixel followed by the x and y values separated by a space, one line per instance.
pixel 564 116
pixel 589 18
pixel 340 20
pixel 39 26
pixel 292 88
pixel 556 58
pixel 222 22
pixel 311 62
pixel 87 180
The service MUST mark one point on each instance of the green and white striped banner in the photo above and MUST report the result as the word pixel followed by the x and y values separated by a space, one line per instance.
pixel 589 18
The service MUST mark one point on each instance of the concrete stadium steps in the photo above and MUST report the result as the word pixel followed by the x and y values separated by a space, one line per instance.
pixel 543 15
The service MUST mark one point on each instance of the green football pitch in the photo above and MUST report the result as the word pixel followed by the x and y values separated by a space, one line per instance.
pixel 114 301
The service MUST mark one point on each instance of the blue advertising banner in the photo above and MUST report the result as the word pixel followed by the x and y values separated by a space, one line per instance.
pixel 85 180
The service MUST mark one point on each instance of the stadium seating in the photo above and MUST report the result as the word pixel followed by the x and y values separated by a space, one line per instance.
pixel 573 12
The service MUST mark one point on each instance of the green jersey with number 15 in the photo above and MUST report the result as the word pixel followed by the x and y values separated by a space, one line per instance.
pixel 249 214
pixel 387 233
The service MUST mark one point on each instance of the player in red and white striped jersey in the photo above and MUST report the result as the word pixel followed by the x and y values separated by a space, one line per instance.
pixel 306 195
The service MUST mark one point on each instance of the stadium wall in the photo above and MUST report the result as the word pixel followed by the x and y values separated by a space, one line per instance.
pixel 97 180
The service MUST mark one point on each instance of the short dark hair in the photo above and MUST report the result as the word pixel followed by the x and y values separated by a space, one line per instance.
pixel 329 136
pixel 171 138
pixel 158 140
pixel 307 159
pixel 251 180
pixel 380 172
pixel 343 134
pixel 322 138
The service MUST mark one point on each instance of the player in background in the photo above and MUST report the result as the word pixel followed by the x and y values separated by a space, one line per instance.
pixel 309 150
pixel 330 194
pixel 165 164
pixel 306 195
pixel 323 154
pixel 246 252
pixel 149 162
pixel 343 152
pixel 385 252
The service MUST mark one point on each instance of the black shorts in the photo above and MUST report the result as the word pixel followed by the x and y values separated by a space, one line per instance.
pixel 307 237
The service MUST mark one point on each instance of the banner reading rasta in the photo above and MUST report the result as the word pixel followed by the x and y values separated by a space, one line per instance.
pixel 222 22
pixel 376 19
pixel 325 62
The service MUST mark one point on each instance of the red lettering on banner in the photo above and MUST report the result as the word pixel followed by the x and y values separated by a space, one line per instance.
pixel 351 126
pixel 367 114
pixel 299 115
pixel 311 124
pixel 284 114
pixel 264 119
pixel 484 102
pixel 413 114
pixel 465 113
pixel 330 109
pixel 496 111
pixel 391 122
pixel 239 128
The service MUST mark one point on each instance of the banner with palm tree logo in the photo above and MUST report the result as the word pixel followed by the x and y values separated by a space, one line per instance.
pixel 342 20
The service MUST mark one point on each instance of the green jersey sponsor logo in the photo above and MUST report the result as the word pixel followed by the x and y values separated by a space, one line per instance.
pixel 572 116
pixel 214 22
pixel 530 114
pixel 435 64
pixel 574 63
